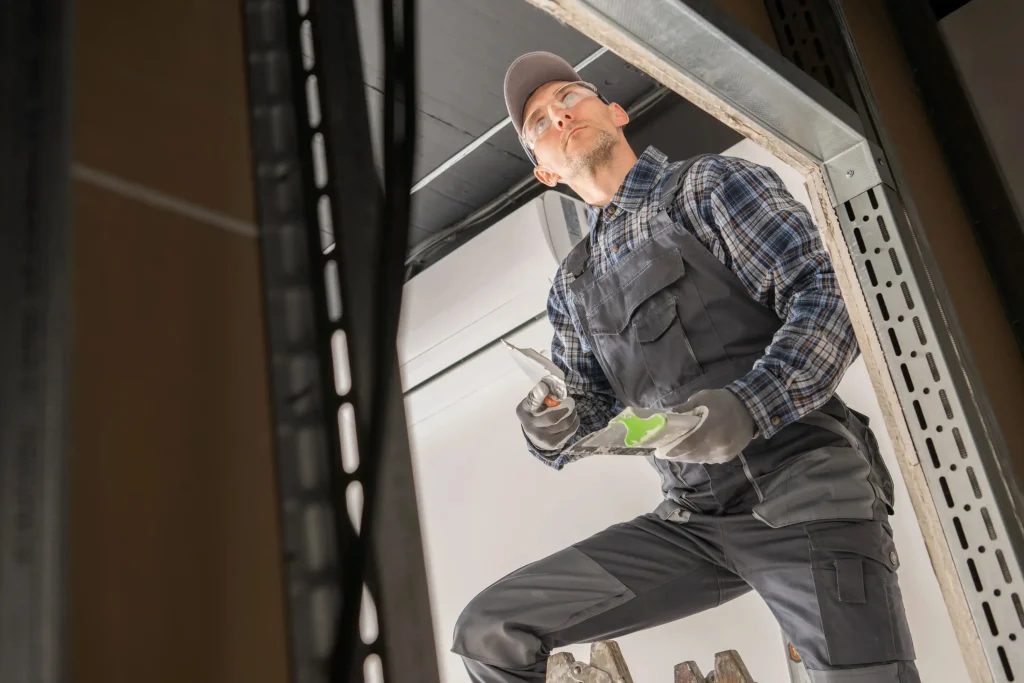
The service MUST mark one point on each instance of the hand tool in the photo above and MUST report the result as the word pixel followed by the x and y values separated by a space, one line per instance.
pixel 540 369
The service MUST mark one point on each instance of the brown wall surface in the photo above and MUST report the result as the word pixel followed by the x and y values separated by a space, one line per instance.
pixel 175 567
pixel 943 220
pixel 160 98
pixel 753 16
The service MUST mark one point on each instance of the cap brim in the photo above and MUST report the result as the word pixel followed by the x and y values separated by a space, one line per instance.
pixel 528 73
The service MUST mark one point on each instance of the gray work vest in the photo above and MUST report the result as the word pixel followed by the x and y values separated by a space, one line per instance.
pixel 669 319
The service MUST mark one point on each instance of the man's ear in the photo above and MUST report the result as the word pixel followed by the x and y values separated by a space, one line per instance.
pixel 549 178
pixel 620 117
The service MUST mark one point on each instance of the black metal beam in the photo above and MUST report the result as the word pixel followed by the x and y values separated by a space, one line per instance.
pixel 35 336
pixel 316 185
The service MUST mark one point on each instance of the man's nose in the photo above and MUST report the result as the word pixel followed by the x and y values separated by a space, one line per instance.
pixel 561 117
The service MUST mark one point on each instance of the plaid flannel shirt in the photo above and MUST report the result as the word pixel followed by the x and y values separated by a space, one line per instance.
pixel 743 214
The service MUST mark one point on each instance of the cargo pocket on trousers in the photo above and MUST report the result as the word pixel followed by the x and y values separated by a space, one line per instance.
pixel 862 615
pixel 665 348
pixel 829 483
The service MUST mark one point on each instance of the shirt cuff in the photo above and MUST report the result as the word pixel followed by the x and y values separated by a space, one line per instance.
pixel 553 459
pixel 767 400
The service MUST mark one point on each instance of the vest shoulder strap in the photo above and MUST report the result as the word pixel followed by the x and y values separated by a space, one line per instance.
pixel 578 259
pixel 673 181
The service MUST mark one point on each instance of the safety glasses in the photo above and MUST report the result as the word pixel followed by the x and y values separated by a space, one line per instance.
pixel 566 97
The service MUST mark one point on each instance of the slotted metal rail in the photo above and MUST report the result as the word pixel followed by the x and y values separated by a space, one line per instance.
pixel 952 458
pixel 316 187
pixel 881 240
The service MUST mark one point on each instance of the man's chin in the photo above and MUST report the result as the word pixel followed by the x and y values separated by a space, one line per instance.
pixel 584 153
pixel 578 138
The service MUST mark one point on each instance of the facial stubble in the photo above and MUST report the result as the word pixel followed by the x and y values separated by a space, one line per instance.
pixel 583 163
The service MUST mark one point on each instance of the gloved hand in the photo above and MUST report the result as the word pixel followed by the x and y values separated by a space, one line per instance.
pixel 726 430
pixel 548 428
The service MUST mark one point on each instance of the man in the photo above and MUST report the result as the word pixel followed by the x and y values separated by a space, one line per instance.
pixel 701 283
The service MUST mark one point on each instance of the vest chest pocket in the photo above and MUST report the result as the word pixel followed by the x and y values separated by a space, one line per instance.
pixel 637 329
pixel 666 351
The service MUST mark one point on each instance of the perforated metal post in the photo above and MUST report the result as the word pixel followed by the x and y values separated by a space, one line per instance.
pixel 956 477
pixel 318 201
pixel 802 39
pixel 308 490
pixel 874 226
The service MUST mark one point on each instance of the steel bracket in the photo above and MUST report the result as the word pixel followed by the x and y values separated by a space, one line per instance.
pixel 854 171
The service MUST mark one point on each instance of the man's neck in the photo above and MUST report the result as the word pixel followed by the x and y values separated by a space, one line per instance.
pixel 599 189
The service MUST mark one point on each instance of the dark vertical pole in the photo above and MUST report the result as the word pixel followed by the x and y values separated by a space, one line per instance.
pixel 35 336
pixel 319 207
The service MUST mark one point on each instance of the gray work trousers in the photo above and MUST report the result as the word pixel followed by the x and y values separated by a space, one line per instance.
pixel 832 586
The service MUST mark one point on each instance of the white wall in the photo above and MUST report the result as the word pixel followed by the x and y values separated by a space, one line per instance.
pixel 488 507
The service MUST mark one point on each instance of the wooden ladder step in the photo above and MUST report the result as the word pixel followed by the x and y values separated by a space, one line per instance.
pixel 608 666
pixel 729 668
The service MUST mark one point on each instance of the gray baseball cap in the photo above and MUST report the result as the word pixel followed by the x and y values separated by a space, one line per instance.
pixel 528 73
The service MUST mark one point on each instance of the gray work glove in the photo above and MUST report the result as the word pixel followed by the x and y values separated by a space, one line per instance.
pixel 548 428
pixel 726 430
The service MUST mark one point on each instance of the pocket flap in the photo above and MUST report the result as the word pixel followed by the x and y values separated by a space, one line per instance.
pixel 616 308
pixel 652 326
pixel 865 539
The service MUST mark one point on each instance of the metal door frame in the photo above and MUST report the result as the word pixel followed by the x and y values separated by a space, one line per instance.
pixel 949 446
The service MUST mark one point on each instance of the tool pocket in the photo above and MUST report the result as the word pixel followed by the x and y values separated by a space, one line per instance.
pixel 854 565
pixel 638 327
pixel 666 351
pixel 823 484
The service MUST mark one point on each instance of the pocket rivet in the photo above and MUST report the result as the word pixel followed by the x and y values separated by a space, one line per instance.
pixel 893 558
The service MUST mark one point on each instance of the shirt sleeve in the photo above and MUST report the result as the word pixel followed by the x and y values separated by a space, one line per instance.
pixel 585 381
pixel 773 246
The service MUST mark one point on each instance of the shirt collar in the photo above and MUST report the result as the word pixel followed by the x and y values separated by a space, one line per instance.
pixel 636 186
pixel 640 180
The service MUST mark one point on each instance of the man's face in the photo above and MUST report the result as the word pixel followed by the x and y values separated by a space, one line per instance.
pixel 572 132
